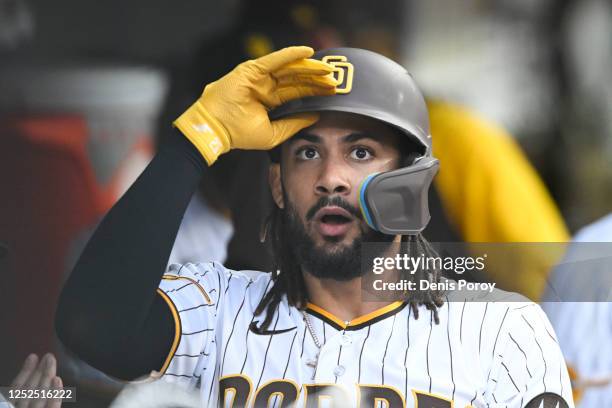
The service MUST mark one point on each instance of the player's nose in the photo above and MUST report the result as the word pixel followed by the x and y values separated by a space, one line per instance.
pixel 333 179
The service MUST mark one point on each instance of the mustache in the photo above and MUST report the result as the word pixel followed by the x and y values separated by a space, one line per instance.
pixel 335 201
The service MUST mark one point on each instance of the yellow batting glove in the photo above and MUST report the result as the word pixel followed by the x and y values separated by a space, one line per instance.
pixel 233 111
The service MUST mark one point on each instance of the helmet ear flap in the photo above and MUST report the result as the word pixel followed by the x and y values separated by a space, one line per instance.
pixel 396 202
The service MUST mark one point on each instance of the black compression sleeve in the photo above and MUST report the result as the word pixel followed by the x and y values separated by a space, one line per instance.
pixel 109 313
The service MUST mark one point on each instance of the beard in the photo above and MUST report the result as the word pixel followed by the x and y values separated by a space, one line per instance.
pixel 342 262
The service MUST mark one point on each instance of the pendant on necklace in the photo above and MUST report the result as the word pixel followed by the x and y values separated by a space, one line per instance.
pixel 312 363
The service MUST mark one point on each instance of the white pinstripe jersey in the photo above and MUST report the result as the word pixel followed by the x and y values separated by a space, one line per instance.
pixel 590 355
pixel 481 354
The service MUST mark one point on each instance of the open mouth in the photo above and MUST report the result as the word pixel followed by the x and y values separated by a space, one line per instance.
pixel 333 221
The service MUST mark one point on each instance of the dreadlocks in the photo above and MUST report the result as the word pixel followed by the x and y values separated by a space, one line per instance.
pixel 432 299
pixel 289 281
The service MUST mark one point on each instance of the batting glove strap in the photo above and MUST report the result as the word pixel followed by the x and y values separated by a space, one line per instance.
pixel 207 134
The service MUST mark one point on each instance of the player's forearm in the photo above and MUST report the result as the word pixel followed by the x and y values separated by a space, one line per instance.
pixel 109 300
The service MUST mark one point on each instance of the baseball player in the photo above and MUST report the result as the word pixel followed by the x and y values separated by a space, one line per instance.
pixel 351 164
pixel 578 301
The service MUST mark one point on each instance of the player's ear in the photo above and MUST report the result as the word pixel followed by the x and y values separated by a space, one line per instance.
pixel 276 186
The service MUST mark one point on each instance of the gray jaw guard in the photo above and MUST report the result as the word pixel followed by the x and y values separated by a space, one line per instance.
pixel 396 202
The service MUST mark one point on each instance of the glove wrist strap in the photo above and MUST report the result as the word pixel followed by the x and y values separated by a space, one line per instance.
pixel 205 132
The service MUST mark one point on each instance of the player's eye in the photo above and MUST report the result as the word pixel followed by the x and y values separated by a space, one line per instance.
pixel 307 153
pixel 361 153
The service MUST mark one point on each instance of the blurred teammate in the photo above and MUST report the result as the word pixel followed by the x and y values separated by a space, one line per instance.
pixel 578 305
pixel 36 374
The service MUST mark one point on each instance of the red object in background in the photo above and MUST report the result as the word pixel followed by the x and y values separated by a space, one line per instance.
pixel 49 194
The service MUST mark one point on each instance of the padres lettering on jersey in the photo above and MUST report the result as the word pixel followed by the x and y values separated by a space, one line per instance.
pixel 482 354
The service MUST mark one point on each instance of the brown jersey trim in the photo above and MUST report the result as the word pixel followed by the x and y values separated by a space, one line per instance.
pixel 177 330
pixel 359 322
pixel 177 277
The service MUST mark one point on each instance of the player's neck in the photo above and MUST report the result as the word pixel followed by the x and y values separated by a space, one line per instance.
pixel 343 299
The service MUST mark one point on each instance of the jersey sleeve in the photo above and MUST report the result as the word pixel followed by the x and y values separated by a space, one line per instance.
pixel 528 366
pixel 193 293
